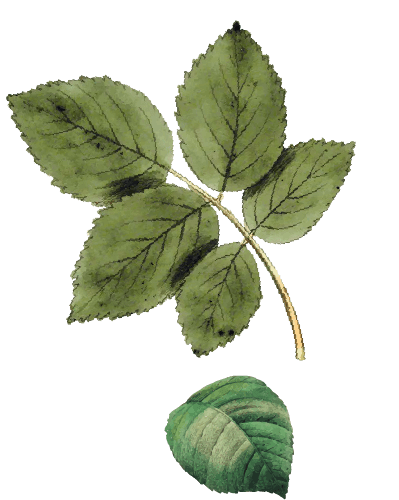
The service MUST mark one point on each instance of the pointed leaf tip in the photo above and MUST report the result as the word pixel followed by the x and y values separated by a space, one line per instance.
pixel 231 113
pixel 236 26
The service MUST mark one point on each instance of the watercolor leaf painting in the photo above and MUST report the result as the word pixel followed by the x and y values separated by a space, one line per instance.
pixel 105 143
pixel 234 435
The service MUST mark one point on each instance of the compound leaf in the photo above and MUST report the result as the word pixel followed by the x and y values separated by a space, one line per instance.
pixel 100 140
pixel 139 252
pixel 290 200
pixel 232 436
pixel 219 298
pixel 231 113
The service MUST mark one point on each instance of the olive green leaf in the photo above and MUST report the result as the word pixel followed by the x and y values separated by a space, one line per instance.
pixel 139 252
pixel 105 143
pixel 231 113
pixel 291 198
pixel 100 140
pixel 218 298
pixel 234 435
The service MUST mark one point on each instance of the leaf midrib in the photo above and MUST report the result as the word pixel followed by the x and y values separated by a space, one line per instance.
pixel 242 430
pixel 98 134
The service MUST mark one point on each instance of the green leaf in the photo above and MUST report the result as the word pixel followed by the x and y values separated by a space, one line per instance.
pixel 234 435
pixel 100 140
pixel 287 202
pixel 139 252
pixel 231 114
pixel 219 298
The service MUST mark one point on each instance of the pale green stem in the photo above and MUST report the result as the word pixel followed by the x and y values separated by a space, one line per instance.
pixel 248 238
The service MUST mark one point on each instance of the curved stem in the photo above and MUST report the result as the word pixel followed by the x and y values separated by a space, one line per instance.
pixel 248 238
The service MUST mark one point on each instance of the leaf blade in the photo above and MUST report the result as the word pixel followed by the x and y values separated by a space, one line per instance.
pixel 229 454
pixel 140 251
pixel 218 298
pixel 99 140
pixel 231 114
pixel 291 199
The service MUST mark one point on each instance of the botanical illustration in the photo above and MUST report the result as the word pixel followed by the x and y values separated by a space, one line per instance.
pixel 234 435
pixel 105 143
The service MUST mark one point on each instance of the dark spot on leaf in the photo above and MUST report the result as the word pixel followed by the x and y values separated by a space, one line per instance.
pixel 196 352
pixel 98 145
pixel 60 108
pixel 221 333
pixel 186 265
pixel 231 333
pixel 236 26
pixel 272 175
pixel 129 185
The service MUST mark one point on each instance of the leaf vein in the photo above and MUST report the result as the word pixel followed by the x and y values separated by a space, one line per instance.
pixel 206 154
pixel 281 228
pixel 293 211
pixel 249 121
pixel 255 137
pixel 220 109
pixel 124 117
pixel 103 156
pixel 124 166
pixel 213 134
pixel 102 111
pixel 77 105
pixel 153 136
pixel 226 82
